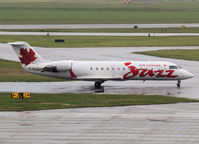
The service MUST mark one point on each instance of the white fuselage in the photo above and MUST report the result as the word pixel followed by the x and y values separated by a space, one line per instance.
pixel 110 70
pixel 98 71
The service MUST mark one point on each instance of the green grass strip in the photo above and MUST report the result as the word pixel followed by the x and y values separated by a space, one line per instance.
pixel 11 71
pixel 61 101
pixel 190 54
pixel 97 11
pixel 104 41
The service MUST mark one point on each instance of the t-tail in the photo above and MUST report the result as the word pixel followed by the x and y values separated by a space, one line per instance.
pixel 32 62
pixel 26 54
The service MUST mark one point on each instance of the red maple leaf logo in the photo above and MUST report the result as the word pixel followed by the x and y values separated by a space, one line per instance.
pixel 27 57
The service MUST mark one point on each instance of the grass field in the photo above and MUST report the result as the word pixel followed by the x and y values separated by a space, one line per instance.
pixel 176 54
pixel 96 11
pixel 122 30
pixel 60 101
pixel 103 41
pixel 13 72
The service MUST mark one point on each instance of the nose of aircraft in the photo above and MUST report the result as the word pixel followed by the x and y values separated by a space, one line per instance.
pixel 187 75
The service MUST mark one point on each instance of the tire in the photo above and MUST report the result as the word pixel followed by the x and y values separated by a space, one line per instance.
pixel 178 85
pixel 97 84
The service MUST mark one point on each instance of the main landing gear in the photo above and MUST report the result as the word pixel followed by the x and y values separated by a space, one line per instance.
pixel 98 84
pixel 178 84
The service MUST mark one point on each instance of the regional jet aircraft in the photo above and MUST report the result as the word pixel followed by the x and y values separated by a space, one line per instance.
pixel 98 71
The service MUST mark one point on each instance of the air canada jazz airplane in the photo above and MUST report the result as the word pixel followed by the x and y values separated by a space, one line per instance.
pixel 98 71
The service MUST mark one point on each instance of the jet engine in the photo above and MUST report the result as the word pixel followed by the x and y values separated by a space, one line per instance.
pixel 59 66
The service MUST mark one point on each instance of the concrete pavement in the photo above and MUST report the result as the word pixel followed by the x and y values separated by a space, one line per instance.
pixel 90 26
pixel 97 34
pixel 151 124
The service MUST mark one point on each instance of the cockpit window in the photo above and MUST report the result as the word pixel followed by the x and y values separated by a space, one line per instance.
pixel 174 67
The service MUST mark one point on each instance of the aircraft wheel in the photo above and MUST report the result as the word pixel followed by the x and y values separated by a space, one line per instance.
pixel 178 84
pixel 97 84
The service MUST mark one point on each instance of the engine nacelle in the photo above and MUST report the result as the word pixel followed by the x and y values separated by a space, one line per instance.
pixel 59 66
pixel 62 65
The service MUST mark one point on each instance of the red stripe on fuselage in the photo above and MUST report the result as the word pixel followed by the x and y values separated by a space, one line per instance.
pixel 72 74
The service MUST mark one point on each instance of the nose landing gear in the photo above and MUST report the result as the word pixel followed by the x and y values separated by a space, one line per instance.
pixel 98 84
pixel 178 84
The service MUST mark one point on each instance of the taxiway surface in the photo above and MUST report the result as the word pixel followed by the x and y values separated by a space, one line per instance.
pixel 90 26
pixel 97 34
pixel 189 89
pixel 151 124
